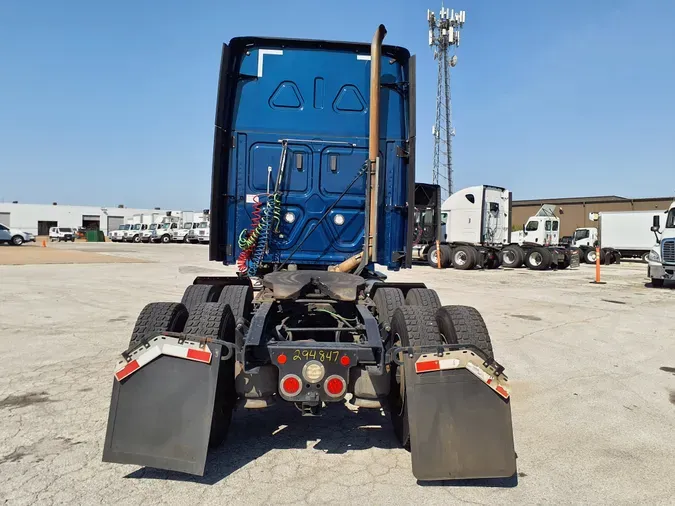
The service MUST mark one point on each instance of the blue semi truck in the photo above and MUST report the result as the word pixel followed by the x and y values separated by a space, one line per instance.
pixel 312 186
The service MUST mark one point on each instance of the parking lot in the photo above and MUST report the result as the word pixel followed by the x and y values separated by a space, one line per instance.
pixel 592 369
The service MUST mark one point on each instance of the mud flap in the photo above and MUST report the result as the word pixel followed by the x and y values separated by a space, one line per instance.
pixel 160 416
pixel 460 427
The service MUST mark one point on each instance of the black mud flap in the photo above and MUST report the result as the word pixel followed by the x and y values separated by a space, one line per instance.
pixel 460 428
pixel 160 416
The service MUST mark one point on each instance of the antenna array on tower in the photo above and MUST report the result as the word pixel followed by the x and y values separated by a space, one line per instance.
pixel 444 35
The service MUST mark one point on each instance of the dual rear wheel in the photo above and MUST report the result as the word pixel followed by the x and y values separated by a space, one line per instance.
pixel 205 311
pixel 422 321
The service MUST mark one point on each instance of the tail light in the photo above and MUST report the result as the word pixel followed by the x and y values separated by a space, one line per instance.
pixel 335 386
pixel 291 385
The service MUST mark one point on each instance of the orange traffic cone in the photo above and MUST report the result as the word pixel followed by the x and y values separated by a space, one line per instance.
pixel 44 243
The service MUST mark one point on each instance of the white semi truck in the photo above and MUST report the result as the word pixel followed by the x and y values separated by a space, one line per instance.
pixel 475 230
pixel 621 234
pixel 661 258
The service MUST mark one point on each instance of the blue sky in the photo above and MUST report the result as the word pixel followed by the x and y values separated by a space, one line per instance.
pixel 113 102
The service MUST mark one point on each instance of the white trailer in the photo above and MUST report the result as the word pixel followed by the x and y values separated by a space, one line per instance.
pixel 626 233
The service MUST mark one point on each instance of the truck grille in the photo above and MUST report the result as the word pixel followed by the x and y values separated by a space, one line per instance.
pixel 668 251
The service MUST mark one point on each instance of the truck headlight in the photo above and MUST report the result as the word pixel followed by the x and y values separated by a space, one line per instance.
pixel 654 256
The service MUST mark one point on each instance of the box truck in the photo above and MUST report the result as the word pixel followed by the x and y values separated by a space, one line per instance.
pixel 620 234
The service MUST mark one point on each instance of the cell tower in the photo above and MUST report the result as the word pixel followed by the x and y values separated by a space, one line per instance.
pixel 444 35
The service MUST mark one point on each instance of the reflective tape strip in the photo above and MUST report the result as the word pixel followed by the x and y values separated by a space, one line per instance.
pixel 478 372
pixel 427 366
pixel 162 345
pixel 440 364
pixel 468 360
pixel 127 370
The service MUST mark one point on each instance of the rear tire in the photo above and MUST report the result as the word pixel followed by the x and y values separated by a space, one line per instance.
pixel 158 317
pixel 447 254
pixel 215 320
pixel 423 297
pixel 387 299
pixel 432 259
pixel 512 257
pixel 538 259
pixel 464 325
pixel 197 294
pixel 464 258
pixel 493 261
pixel 240 300
pixel 565 263
pixel 410 326
pixel 657 283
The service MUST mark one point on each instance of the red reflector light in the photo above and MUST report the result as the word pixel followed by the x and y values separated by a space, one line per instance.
pixel 432 365
pixel 344 360
pixel 199 355
pixel 290 385
pixel 128 369
pixel 282 359
pixel 335 386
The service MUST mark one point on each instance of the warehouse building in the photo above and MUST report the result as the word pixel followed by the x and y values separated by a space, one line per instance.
pixel 573 212
pixel 38 219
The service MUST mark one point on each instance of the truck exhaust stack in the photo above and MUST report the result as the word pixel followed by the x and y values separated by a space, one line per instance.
pixel 369 242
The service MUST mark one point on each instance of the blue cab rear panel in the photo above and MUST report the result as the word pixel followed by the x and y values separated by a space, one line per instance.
pixel 314 95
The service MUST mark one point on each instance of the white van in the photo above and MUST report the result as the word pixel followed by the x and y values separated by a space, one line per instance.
pixel 62 234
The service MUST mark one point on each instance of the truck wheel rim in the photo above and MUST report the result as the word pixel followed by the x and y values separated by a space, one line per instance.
pixel 509 257
pixel 536 259
pixel 460 258
pixel 591 256
pixel 434 256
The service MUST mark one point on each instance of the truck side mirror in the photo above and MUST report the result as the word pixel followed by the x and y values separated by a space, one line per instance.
pixel 656 223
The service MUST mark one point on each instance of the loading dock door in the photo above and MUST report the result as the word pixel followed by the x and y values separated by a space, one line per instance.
pixel 115 222
pixel 90 222
pixel 44 226
pixel 4 219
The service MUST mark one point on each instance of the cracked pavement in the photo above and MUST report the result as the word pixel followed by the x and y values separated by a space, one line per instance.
pixel 591 369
